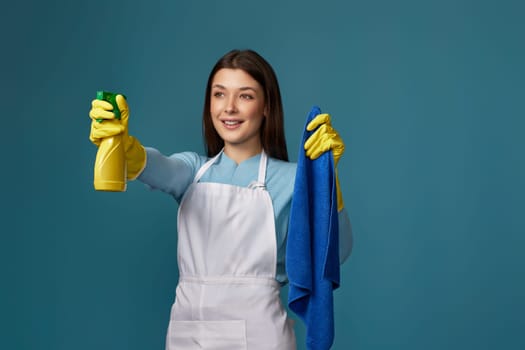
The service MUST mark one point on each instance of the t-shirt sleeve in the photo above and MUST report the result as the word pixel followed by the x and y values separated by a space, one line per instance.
pixel 345 236
pixel 170 174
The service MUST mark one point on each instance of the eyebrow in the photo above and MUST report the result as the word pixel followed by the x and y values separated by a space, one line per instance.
pixel 244 88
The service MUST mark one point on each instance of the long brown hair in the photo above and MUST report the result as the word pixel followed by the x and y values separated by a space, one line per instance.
pixel 272 128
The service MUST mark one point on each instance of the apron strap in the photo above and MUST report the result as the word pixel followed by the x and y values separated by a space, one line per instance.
pixel 262 170
pixel 205 167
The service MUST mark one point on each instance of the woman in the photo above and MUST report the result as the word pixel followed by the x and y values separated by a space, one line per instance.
pixel 233 207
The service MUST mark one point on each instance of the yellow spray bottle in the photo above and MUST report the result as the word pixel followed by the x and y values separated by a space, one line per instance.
pixel 110 162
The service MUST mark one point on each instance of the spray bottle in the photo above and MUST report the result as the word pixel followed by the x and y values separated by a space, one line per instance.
pixel 110 163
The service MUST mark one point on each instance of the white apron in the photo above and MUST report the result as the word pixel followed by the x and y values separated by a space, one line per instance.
pixel 227 296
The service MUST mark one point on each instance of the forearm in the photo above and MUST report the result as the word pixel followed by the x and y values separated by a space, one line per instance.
pixel 171 174
pixel 345 236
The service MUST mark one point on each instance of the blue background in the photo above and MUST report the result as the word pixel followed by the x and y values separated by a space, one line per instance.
pixel 428 95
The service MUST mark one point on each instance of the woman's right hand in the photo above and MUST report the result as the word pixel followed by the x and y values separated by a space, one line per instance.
pixel 104 124
pixel 103 121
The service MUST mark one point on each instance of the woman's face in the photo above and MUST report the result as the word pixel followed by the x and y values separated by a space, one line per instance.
pixel 237 109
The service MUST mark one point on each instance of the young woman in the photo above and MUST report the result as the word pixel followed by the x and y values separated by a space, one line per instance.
pixel 234 206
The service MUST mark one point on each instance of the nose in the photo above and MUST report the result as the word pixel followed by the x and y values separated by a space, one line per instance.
pixel 230 106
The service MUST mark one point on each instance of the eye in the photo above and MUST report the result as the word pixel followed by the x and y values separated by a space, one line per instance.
pixel 218 94
pixel 247 97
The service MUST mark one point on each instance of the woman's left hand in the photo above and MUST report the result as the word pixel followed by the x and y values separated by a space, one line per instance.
pixel 325 138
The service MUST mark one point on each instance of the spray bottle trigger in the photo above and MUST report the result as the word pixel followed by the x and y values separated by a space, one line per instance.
pixel 111 98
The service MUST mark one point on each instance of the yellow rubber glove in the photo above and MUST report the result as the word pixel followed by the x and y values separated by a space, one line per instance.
pixel 104 124
pixel 324 139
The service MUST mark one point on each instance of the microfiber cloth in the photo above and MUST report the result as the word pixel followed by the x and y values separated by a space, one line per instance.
pixel 312 251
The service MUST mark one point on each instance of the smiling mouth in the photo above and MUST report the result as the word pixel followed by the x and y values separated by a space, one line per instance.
pixel 231 124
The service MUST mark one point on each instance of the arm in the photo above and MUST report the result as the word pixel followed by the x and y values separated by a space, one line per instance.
pixel 171 174
pixel 346 240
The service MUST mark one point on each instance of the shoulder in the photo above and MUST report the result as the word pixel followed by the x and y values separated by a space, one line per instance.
pixel 281 166
pixel 281 172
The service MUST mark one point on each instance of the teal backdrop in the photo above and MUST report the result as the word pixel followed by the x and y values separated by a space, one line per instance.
pixel 428 95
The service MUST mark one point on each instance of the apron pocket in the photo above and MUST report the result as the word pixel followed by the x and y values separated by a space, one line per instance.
pixel 216 335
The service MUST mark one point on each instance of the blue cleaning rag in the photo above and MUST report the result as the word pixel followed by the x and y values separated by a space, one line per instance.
pixel 312 251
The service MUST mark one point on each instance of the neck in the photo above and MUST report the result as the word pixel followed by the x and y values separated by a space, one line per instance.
pixel 240 154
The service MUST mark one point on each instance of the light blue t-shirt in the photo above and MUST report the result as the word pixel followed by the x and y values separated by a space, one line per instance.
pixel 175 173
